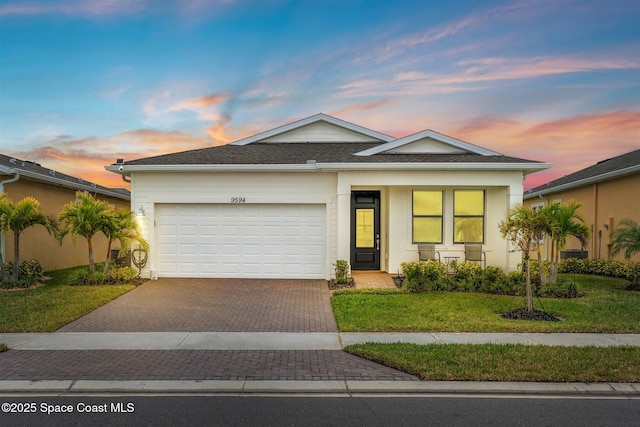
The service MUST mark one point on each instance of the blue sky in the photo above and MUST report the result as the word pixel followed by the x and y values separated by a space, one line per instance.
pixel 85 82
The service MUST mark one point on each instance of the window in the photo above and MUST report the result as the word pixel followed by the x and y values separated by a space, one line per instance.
pixel 427 216
pixel 468 216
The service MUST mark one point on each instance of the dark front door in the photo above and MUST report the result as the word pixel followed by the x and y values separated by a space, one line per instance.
pixel 365 230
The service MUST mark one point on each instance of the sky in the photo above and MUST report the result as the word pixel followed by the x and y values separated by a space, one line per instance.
pixel 85 82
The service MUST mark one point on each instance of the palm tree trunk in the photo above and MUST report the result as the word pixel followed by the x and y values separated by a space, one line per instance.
pixel 554 265
pixel 107 259
pixel 4 271
pixel 16 255
pixel 543 274
pixel 92 266
pixel 528 286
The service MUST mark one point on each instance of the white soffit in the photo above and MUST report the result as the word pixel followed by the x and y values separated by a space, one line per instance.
pixel 427 142
pixel 317 127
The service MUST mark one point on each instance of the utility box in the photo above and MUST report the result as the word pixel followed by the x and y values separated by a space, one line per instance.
pixel 574 253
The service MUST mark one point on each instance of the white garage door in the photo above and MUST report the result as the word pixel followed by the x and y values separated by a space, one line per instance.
pixel 241 240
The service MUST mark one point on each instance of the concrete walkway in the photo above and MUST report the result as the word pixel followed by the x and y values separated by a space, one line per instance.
pixel 292 340
pixel 280 362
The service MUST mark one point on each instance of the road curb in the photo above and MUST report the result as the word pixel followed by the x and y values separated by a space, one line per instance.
pixel 316 387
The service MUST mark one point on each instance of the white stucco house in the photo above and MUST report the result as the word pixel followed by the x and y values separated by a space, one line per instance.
pixel 289 202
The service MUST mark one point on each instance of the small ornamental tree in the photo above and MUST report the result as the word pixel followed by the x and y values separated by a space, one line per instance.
pixel 626 239
pixel 520 228
pixel 17 217
pixel 565 221
pixel 85 217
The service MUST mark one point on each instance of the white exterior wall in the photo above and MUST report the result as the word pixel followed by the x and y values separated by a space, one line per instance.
pixel 149 189
pixel 333 189
pixel 503 189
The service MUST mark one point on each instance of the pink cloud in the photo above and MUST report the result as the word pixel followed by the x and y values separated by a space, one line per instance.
pixel 79 158
pixel 570 144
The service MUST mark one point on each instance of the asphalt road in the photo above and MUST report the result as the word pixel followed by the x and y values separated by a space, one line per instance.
pixel 317 411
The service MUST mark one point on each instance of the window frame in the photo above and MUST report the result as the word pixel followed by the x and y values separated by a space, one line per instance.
pixel 482 217
pixel 414 216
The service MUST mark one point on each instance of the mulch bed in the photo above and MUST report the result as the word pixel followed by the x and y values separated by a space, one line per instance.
pixel 634 287
pixel 333 285
pixel 523 314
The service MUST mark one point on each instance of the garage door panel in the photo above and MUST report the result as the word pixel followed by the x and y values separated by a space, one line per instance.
pixel 213 240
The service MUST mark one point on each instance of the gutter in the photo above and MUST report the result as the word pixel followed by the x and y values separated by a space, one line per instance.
pixel 312 165
pixel 74 185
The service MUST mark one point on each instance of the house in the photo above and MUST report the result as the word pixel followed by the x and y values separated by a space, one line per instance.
pixel 22 178
pixel 608 192
pixel 289 202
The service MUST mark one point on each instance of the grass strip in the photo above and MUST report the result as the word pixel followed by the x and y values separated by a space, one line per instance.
pixel 52 306
pixel 506 362
pixel 606 308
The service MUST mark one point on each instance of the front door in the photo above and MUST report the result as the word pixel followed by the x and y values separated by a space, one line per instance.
pixel 365 230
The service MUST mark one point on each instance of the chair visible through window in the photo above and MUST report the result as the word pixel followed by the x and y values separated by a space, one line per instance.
pixel 428 252
pixel 474 252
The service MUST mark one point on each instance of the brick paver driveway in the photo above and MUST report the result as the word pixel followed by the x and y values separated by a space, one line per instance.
pixel 204 305
pixel 215 305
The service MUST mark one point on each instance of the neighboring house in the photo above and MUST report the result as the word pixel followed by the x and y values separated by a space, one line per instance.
pixel 289 202
pixel 608 192
pixel 22 178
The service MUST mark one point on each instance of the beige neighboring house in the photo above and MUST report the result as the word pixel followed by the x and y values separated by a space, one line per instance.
pixel 21 178
pixel 289 202
pixel 609 191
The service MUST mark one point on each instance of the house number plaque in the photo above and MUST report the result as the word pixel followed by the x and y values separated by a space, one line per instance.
pixel 238 199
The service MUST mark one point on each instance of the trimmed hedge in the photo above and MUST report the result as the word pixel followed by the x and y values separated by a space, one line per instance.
pixel 601 267
pixel 470 277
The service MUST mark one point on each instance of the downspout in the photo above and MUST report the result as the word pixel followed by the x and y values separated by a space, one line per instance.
pixel 2 183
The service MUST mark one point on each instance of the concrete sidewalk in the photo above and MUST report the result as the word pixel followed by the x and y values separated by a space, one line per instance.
pixel 291 340
pixel 258 363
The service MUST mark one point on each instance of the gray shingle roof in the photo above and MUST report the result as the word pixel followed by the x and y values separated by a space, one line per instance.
pixel 300 153
pixel 35 171
pixel 603 170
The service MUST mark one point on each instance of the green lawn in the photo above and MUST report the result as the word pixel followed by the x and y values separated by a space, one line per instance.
pixel 607 308
pixel 49 307
pixel 510 362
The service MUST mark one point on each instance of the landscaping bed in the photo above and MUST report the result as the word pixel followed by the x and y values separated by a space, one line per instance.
pixel 606 308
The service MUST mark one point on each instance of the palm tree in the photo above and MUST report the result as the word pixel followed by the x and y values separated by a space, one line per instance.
pixel 17 218
pixel 5 209
pixel 565 222
pixel 521 229
pixel 122 228
pixel 626 238
pixel 85 217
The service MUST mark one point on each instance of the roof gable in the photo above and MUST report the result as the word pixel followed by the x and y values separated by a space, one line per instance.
pixel 427 142
pixel 36 172
pixel 318 128
pixel 614 167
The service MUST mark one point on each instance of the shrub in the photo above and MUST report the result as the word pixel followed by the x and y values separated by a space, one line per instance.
pixel 342 272
pixel 601 267
pixel 117 275
pixel 467 276
pixel 30 268
pixel 560 289
pixel 29 273
pixel 85 278
pixel 423 275
pixel 122 274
